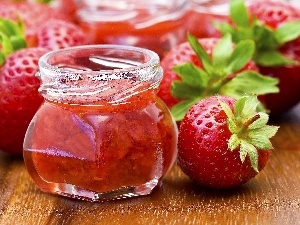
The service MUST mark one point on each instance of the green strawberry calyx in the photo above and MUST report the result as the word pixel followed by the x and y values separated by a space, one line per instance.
pixel 12 37
pixel 216 76
pixel 44 1
pixel 249 129
pixel 267 40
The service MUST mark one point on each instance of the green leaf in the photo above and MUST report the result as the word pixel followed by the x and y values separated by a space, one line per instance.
pixel 12 37
pixel 260 136
pixel 183 91
pixel 18 42
pixel 12 28
pixel 243 151
pixel 44 1
pixel 287 32
pixel 6 47
pixel 239 106
pixel 191 74
pixel 249 108
pixel 231 123
pixel 179 110
pixel 251 152
pixel 268 131
pixel 233 142
pixel 222 52
pixel 250 83
pixel 227 110
pixel 264 37
pixel 260 141
pixel 2 58
pixel 241 55
pixel 201 53
pixel 272 58
pixel 238 12
pixel 267 40
pixel 249 129
pixel 224 27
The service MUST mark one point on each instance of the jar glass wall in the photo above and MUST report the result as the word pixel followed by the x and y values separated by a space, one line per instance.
pixel 101 132
pixel 203 13
pixel 152 24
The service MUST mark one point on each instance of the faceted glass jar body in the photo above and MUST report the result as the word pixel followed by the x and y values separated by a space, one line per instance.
pixel 155 25
pixel 101 132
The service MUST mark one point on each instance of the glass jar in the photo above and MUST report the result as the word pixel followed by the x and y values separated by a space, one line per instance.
pixel 101 133
pixel 152 24
pixel 203 13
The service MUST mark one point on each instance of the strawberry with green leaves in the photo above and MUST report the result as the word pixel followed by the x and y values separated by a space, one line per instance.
pixel 206 67
pixel 32 15
pixel 43 25
pixel 224 142
pixel 19 96
pixel 274 26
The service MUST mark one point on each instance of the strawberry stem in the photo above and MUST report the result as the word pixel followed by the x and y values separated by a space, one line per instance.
pixel 251 120
pixel 249 129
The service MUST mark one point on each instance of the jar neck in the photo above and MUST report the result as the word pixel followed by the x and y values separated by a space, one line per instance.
pixel 105 74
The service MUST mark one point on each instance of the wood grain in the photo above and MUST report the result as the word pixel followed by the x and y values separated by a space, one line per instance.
pixel 273 197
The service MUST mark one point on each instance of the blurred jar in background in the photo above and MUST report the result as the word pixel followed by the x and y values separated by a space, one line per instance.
pixel 68 7
pixel 157 25
pixel 203 13
pixel 295 3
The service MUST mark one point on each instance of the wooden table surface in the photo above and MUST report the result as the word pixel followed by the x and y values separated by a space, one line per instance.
pixel 273 197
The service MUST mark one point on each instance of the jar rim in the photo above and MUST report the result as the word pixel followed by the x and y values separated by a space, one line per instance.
pixel 153 56
pixel 126 69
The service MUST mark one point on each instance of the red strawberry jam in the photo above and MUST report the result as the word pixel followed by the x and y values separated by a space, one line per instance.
pixel 114 139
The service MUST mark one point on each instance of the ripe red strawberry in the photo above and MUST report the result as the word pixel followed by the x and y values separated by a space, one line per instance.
pixel 57 34
pixel 32 14
pixel 273 13
pixel 195 70
pixel 181 54
pixel 223 143
pixel 19 97
pixel 274 26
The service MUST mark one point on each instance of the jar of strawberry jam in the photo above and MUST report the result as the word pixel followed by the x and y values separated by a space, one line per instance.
pixel 101 133
pixel 156 25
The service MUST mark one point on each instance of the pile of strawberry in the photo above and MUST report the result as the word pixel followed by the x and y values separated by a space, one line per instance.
pixel 274 26
pixel 211 86
pixel 222 91
pixel 27 31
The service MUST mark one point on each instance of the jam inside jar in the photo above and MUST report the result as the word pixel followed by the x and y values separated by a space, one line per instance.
pixel 101 132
